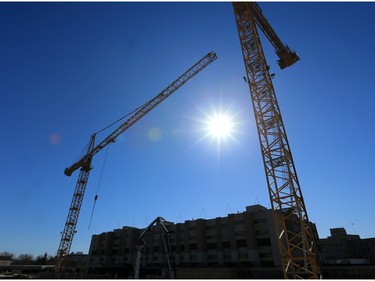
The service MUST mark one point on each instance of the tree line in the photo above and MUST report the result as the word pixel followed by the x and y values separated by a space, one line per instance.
pixel 28 258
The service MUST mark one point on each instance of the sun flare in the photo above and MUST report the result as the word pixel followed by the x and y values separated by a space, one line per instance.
pixel 220 126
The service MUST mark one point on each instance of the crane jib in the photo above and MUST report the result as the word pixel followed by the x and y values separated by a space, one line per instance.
pixel 191 72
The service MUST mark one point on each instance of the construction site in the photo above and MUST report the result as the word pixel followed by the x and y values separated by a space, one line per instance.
pixel 295 240
pixel 279 242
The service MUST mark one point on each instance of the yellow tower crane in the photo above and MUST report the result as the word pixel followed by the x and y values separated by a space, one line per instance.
pixel 295 238
pixel 84 164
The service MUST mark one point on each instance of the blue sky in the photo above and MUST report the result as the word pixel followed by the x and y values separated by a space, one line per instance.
pixel 69 69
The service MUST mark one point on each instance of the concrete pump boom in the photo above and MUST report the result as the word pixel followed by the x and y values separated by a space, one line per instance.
pixel 85 162
pixel 293 230
pixel 158 222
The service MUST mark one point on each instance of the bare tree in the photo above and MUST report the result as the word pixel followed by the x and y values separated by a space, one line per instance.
pixel 7 254
pixel 41 259
pixel 25 259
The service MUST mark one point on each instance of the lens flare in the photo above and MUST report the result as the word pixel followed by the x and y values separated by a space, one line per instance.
pixel 154 134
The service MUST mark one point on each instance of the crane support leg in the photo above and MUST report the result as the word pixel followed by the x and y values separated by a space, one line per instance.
pixel 294 234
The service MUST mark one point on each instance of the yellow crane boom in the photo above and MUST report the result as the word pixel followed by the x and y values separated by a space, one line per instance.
pixel 84 164
pixel 292 227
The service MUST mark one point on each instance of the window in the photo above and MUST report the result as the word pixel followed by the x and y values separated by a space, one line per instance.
pixel 240 232
pixel 224 227
pixel 193 238
pixel 266 263
pixel 193 246
pixel 226 244
pixel 264 242
pixel 211 246
pixel 212 257
pixel 242 255
pixel 225 236
pixel 261 232
pixel 260 221
pixel 241 243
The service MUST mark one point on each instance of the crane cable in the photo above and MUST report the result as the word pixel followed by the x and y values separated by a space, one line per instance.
pixel 84 150
pixel 99 184
pixel 105 157
pixel 123 117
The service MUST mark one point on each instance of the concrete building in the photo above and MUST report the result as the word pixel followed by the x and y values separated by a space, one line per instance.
pixel 343 248
pixel 6 260
pixel 241 245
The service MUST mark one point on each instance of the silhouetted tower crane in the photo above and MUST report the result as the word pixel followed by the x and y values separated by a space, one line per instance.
pixel 84 164
pixel 294 233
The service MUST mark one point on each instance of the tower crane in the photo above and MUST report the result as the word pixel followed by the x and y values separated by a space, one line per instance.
pixel 295 238
pixel 84 164
pixel 158 222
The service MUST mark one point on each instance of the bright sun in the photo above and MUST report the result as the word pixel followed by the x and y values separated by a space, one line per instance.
pixel 220 126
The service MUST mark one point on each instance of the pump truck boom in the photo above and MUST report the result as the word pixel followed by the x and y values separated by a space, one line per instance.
pixel 158 222
pixel 84 164
pixel 295 237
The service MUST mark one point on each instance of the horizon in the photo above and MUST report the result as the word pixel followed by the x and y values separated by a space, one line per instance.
pixel 69 69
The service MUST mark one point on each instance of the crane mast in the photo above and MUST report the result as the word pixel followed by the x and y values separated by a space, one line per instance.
pixel 75 207
pixel 84 164
pixel 292 227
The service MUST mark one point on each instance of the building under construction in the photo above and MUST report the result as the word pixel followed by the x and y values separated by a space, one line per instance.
pixel 240 245
pixel 293 234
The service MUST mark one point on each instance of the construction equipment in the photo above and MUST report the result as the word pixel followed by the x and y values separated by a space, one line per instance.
pixel 158 222
pixel 85 162
pixel 294 233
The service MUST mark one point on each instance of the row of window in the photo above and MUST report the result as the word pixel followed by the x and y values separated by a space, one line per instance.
pixel 210 257
pixel 348 244
pixel 193 246
pixel 191 228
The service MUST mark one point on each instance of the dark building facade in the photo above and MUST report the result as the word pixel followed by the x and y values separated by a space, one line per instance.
pixel 236 246
pixel 240 245
pixel 347 256
pixel 343 248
